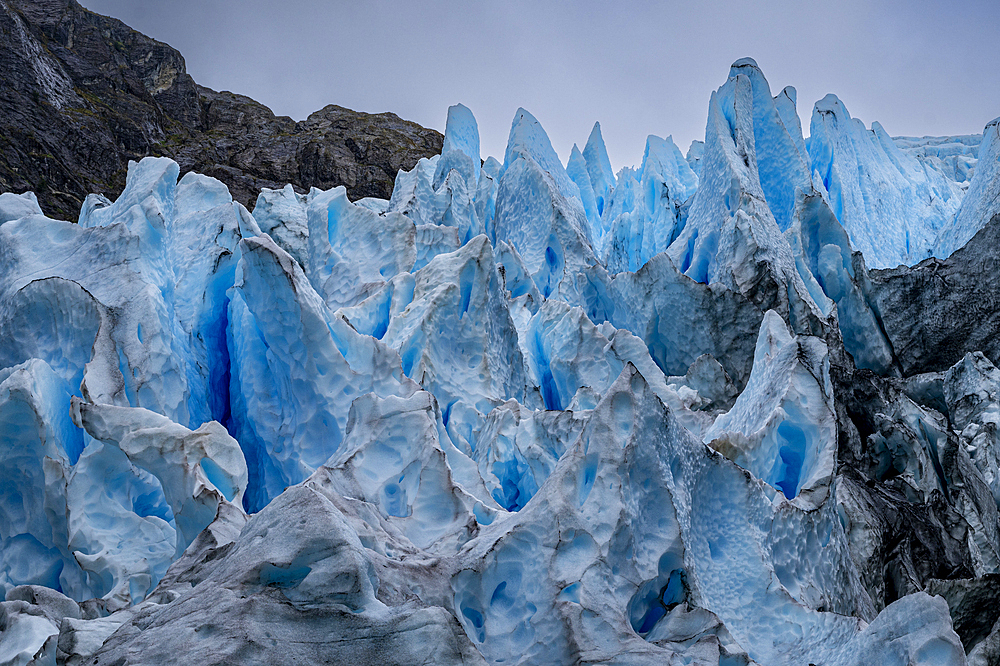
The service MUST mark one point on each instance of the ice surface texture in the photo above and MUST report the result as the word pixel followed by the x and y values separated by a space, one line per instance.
pixel 522 412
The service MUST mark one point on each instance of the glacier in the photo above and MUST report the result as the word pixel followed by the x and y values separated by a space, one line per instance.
pixel 738 406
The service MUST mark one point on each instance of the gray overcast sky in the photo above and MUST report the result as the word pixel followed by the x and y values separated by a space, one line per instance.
pixel 918 66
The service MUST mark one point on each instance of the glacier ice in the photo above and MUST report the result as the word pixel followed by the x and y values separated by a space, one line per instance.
pixel 783 426
pixel 197 470
pixel 892 206
pixel 395 459
pixel 924 311
pixel 646 211
pixel 576 169
pixel 549 231
pixel 295 370
pixel 781 158
pixel 521 412
pixel 694 154
pixel 970 390
pixel 953 156
pixel 351 251
pixel 15 206
pixel 731 235
pixel 39 445
pixel 981 200
pixel 461 136
pixel 602 177
pixel 282 214
pixel 528 140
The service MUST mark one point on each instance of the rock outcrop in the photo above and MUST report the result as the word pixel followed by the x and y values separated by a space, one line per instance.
pixel 83 94
pixel 937 311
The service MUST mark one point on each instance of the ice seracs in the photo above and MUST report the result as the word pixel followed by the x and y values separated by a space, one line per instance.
pixel 892 207
pixel 539 212
pixel 351 251
pixel 982 199
pixel 602 177
pixel 39 446
pixel 296 368
pixel 646 210
pixel 522 412
pixel 782 163
pixel 15 206
pixel 395 458
pixel 461 135
pixel 731 235
pixel 953 156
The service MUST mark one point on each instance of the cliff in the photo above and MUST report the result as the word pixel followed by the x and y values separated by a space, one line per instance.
pixel 83 94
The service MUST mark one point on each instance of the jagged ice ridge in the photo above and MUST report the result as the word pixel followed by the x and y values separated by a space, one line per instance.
pixel 521 412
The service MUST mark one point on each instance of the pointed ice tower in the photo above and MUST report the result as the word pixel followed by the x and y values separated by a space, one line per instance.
pixel 602 177
pixel 786 104
pixel 528 139
pixel 446 196
pixel 731 235
pixel 782 164
pixel 821 248
pixel 539 211
pixel 461 146
pixel 576 169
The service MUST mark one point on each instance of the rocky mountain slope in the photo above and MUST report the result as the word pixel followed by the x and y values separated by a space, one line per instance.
pixel 83 94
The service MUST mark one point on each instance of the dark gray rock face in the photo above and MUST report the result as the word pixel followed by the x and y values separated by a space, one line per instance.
pixel 937 311
pixel 911 489
pixel 974 605
pixel 83 94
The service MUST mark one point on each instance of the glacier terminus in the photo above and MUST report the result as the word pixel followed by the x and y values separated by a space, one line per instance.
pixel 733 406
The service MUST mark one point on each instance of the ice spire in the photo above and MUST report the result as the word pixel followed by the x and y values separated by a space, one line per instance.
pixel 602 177
pixel 461 134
